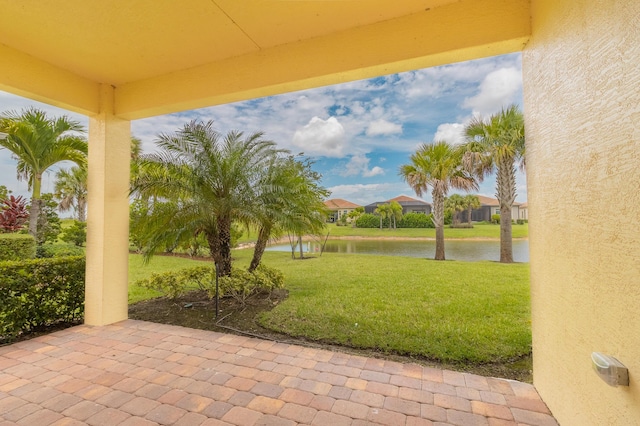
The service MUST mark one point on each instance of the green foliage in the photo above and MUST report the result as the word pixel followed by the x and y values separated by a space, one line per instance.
pixel 58 250
pixel 40 292
pixel 495 218
pixel 4 192
pixel 240 285
pixel 17 247
pixel 521 221
pixel 49 224
pixel 76 234
pixel 368 220
pixel 416 220
pixel 13 213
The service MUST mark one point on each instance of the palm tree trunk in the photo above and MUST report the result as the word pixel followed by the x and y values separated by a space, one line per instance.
pixel 224 234
pixel 506 242
pixel 438 220
pixel 506 193
pixel 469 218
pixel 82 210
pixel 301 248
pixel 258 249
pixel 35 205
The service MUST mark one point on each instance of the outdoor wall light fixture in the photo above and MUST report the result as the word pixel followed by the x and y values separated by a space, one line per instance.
pixel 612 371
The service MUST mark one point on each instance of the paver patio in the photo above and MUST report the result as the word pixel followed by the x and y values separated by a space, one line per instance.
pixel 140 373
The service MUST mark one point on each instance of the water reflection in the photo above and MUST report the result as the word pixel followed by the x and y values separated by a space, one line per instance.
pixel 454 250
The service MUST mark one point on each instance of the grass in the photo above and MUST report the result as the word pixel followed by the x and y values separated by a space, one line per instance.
pixel 452 312
pixel 478 231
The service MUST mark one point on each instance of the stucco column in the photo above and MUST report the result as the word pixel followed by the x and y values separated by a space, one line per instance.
pixel 108 214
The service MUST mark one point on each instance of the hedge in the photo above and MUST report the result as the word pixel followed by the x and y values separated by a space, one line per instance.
pixel 40 292
pixel 17 247
pixel 409 220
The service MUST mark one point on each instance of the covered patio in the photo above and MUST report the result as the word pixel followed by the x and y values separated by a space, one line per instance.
pixel 119 61
pixel 140 373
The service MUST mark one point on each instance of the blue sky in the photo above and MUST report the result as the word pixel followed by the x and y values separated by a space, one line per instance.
pixel 358 133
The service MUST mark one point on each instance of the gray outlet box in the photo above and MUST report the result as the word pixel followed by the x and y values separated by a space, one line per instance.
pixel 612 371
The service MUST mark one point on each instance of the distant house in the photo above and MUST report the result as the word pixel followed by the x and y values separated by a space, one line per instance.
pixel 338 207
pixel 524 211
pixel 489 207
pixel 409 205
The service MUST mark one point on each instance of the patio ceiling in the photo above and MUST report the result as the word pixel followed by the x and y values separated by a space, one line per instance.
pixel 165 56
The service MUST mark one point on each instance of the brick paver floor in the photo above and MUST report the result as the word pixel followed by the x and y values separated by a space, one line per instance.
pixel 140 373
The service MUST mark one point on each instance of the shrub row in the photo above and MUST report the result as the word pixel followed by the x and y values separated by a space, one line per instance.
pixel 17 247
pixel 40 292
pixel 240 285
pixel 409 220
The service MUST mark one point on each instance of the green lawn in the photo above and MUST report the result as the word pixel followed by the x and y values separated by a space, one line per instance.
pixel 478 231
pixel 449 311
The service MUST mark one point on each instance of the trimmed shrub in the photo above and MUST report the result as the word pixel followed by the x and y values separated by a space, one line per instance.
pixel 240 285
pixel 47 251
pixel 17 247
pixel 369 220
pixel 416 220
pixel 40 292
pixel 495 218
pixel 520 221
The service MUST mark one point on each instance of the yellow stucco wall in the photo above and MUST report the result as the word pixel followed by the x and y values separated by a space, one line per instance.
pixel 582 110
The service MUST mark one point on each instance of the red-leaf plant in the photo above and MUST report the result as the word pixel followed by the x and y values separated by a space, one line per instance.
pixel 13 214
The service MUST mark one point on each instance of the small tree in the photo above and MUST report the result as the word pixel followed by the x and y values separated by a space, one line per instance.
pixel 472 202
pixel 4 192
pixel 13 214
pixel 76 233
pixel 395 211
pixel 48 221
pixel 455 204
pixel 384 211
pixel 353 215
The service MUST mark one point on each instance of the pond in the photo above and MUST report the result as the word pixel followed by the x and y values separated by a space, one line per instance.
pixel 454 249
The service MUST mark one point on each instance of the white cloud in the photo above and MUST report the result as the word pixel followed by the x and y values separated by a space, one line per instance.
pixel 358 165
pixel 383 127
pixel 450 132
pixel 321 137
pixel 498 89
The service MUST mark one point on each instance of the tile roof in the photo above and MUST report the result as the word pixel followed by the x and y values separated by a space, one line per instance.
pixel 404 198
pixel 339 203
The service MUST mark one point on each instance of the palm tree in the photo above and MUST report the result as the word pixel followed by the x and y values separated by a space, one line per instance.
pixel 437 165
pixel 395 212
pixel 471 202
pixel 212 180
pixel 290 199
pixel 384 211
pixel 497 145
pixel 455 204
pixel 71 190
pixel 38 142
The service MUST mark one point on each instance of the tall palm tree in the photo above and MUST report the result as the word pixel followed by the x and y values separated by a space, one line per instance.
pixel 71 190
pixel 497 145
pixel 213 181
pixel 290 199
pixel 471 202
pixel 38 142
pixel 437 165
